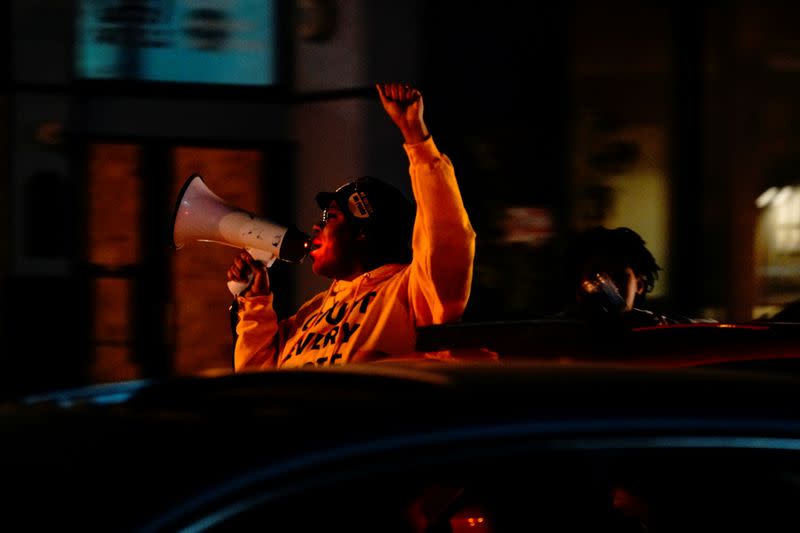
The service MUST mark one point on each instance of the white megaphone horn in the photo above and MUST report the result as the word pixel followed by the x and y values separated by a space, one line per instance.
pixel 201 215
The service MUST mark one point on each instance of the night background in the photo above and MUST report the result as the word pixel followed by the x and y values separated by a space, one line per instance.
pixel 680 120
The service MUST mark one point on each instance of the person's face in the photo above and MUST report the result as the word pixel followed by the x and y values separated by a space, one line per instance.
pixel 633 286
pixel 333 246
pixel 623 281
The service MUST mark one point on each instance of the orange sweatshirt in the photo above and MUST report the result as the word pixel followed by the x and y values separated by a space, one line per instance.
pixel 376 315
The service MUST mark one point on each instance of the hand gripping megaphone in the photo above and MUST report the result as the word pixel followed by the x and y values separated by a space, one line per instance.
pixel 201 215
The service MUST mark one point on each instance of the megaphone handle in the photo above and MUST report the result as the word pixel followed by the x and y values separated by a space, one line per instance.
pixel 237 287
pixel 267 258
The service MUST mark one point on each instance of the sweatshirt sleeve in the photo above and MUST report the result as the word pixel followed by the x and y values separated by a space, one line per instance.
pixel 257 339
pixel 443 242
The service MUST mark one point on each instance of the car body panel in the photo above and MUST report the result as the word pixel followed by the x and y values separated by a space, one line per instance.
pixel 359 444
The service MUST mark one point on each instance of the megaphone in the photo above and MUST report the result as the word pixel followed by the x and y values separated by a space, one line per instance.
pixel 201 215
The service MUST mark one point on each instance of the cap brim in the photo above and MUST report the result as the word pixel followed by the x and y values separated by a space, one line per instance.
pixel 324 199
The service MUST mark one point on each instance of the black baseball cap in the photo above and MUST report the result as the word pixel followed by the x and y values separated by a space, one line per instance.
pixel 369 202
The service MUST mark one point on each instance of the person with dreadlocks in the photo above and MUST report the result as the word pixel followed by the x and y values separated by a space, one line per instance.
pixel 611 272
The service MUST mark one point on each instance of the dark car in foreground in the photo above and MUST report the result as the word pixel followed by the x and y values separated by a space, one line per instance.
pixel 425 447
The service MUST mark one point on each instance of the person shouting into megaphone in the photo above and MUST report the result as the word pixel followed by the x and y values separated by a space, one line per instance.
pixel 394 266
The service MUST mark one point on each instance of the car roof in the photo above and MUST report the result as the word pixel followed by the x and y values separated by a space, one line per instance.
pixel 417 387
pixel 776 345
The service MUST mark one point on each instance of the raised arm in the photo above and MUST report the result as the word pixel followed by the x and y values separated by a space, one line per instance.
pixel 405 107
pixel 443 242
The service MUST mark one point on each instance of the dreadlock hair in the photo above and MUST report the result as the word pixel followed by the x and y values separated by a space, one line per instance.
pixel 610 250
